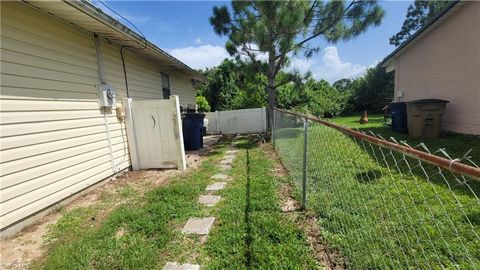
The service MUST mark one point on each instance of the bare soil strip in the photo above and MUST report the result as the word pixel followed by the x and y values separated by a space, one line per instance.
pixel 305 220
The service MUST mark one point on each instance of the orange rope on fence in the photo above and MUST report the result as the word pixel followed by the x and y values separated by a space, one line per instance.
pixel 441 162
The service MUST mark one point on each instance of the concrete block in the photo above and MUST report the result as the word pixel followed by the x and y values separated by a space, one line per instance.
pixel 209 200
pixel 224 167
pixel 216 186
pixel 220 176
pixel 232 157
pixel 226 161
pixel 231 151
pixel 177 266
pixel 198 225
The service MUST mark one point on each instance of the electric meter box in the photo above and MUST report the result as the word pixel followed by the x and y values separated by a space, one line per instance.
pixel 107 96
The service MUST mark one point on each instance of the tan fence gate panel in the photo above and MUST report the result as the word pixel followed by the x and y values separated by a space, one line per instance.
pixel 155 134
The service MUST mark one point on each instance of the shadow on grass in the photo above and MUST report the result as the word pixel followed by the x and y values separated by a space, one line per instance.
pixel 245 145
pixel 249 142
pixel 248 228
pixel 459 145
pixel 369 176
pixel 456 145
pixel 212 153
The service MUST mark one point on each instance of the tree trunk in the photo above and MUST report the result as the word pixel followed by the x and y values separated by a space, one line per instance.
pixel 271 89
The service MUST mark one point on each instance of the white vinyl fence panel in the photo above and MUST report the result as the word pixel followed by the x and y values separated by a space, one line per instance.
pixel 237 121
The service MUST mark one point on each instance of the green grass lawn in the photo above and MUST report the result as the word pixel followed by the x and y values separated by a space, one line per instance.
pixel 253 233
pixel 379 209
pixel 456 145
pixel 144 230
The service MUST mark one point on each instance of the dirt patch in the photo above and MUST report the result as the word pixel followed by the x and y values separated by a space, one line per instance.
pixel 288 204
pixel 19 251
pixel 305 220
pixel 278 170
pixel 120 233
pixel 84 200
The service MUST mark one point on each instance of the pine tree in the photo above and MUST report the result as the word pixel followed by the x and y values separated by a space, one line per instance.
pixel 278 30
pixel 418 14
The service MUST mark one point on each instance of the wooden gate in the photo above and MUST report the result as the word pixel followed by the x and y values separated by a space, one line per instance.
pixel 154 132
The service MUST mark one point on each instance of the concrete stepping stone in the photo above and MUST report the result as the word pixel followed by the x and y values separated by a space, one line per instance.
pixel 224 167
pixel 226 161
pixel 177 266
pixel 220 176
pixel 230 156
pixel 231 151
pixel 209 200
pixel 198 225
pixel 216 186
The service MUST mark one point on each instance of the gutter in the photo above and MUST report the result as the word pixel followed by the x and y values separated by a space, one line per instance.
pixel 97 14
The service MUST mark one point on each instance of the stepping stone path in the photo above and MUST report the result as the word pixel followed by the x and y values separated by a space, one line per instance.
pixel 176 266
pixel 220 176
pixel 216 186
pixel 224 167
pixel 202 226
pixel 209 200
pixel 229 157
pixel 198 225
pixel 226 161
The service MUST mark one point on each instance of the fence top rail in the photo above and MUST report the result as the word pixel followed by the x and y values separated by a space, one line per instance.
pixel 448 164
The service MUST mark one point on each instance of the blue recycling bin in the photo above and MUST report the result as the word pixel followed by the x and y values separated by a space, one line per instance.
pixel 399 116
pixel 192 126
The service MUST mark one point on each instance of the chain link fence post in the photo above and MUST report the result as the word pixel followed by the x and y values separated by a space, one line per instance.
pixel 304 180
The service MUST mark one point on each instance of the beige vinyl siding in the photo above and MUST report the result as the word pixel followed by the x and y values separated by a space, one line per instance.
pixel 144 77
pixel 182 86
pixel 53 136
pixel 144 80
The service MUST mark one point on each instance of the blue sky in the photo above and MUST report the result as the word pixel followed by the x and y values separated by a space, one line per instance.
pixel 182 29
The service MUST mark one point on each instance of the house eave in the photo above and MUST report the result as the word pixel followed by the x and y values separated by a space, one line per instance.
pixel 417 36
pixel 86 16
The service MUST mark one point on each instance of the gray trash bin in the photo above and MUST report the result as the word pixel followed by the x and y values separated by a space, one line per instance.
pixel 424 117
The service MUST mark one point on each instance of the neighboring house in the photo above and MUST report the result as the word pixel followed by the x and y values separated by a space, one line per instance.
pixel 442 61
pixel 53 134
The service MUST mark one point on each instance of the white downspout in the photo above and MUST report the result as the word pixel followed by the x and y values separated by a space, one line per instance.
pixel 101 77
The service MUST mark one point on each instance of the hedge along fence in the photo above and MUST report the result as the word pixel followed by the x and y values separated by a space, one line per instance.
pixel 383 204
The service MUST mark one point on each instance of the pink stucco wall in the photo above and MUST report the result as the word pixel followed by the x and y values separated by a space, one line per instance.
pixel 445 64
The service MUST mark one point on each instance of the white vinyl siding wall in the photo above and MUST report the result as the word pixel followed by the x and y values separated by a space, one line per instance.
pixel 53 137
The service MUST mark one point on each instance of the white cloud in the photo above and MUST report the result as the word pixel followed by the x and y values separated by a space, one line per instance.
pixel 198 41
pixel 201 56
pixel 302 65
pixel 261 56
pixel 329 66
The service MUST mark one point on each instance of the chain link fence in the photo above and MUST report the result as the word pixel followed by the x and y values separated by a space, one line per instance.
pixel 383 204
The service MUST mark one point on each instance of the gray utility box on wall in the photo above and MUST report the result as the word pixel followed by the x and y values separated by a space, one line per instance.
pixel 424 117
pixel 107 96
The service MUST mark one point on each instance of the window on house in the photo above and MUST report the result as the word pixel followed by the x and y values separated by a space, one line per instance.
pixel 165 86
